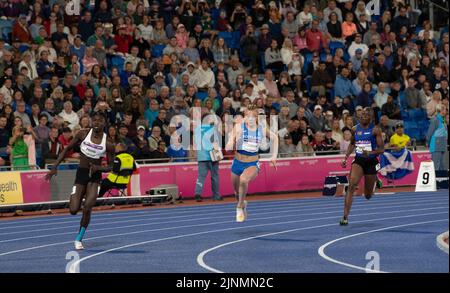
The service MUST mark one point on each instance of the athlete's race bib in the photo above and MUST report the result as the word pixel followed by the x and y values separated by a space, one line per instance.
pixel 362 146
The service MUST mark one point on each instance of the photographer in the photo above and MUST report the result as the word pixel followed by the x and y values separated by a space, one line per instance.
pixel 249 45
pixel 238 16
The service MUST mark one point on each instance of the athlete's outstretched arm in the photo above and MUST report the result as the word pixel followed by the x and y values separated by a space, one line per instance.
pixel 273 148
pixel 62 155
pixel 231 139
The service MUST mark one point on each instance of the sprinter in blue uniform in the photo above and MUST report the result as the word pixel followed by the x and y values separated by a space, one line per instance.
pixel 249 135
pixel 368 144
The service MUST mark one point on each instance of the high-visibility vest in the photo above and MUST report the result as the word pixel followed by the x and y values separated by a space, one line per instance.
pixel 126 163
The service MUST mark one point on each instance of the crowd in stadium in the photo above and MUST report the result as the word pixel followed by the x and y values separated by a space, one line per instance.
pixel 316 64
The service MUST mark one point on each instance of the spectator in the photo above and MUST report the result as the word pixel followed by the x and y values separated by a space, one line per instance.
pixel 318 144
pixel 343 87
pixel 358 45
pixel 391 109
pixel 432 105
pixel 304 148
pixel 437 137
pixel 412 94
pixel 159 155
pixel 331 144
pixel 20 112
pixel 399 139
pixel 273 57
pixel 345 141
pixel 386 126
pixel 381 96
pixel 287 148
pixel 315 39
pixel 321 80
pixel 332 8
pixel 70 116
pixel 317 121
pixel 19 151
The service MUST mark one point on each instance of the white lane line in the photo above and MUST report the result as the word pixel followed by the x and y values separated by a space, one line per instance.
pixel 56 220
pixel 150 216
pixel 296 210
pixel 197 225
pixel 164 210
pixel 299 207
pixel 77 263
pixel 321 250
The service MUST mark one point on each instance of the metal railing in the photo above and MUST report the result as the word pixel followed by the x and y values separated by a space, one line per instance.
pixel 263 156
pixel 19 168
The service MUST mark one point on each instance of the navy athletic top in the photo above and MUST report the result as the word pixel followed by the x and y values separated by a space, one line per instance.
pixel 365 140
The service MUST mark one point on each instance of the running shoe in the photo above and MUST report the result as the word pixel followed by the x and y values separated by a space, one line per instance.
pixel 79 245
pixel 343 221
pixel 240 215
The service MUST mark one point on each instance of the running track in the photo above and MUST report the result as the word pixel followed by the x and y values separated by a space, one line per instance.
pixel 300 235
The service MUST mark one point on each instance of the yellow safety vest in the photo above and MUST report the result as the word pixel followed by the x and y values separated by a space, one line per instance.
pixel 126 163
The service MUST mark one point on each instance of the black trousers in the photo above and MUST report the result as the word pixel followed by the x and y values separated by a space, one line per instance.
pixel 107 185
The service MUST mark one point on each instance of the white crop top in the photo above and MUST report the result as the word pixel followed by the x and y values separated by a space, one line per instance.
pixel 92 150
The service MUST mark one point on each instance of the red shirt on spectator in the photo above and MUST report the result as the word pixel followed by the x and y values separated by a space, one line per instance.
pixel 64 143
pixel 20 33
pixel 123 43
pixel 81 89
pixel 315 39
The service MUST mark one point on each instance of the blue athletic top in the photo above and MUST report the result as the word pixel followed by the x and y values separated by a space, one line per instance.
pixel 365 140
pixel 248 144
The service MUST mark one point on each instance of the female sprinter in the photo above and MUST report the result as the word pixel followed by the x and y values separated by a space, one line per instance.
pixel 93 146
pixel 367 139
pixel 245 167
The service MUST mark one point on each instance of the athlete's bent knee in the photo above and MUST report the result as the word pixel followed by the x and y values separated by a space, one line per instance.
pixel 73 211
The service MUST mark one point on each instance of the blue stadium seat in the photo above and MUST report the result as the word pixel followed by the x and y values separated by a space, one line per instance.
pixel 118 62
pixel 423 128
pixel 6 33
pixel 202 95
pixel 23 48
pixel 308 84
pixel 335 45
pixel 308 60
pixel 215 13
pixel 228 38
pixel 157 50
pixel 346 56
pixel 412 129
pixel 402 99
pixel 417 114
pixel 262 58
pixel 235 41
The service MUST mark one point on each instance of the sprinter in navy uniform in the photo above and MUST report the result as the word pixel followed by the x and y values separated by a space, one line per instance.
pixel 368 145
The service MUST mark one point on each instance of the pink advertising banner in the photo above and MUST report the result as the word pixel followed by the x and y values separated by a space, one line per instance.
pixel 293 174
pixel 34 187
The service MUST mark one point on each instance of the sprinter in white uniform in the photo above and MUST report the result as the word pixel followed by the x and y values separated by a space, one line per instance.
pixel 93 147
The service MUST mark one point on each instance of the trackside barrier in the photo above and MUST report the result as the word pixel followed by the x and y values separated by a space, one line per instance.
pixel 292 174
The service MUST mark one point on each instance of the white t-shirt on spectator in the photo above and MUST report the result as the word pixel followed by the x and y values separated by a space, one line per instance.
pixel 72 118
pixel 354 46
